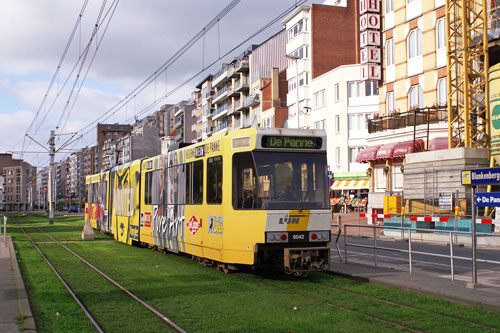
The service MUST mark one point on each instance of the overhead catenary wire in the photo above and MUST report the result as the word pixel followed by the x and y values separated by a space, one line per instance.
pixel 58 68
pixel 112 111
pixel 60 90
pixel 118 106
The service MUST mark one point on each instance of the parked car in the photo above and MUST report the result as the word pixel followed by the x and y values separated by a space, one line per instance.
pixel 73 209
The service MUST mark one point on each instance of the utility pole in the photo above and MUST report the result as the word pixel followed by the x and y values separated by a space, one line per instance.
pixel 52 173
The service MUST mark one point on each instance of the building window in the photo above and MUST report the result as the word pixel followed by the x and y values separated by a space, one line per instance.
pixel 389 52
pixel 415 43
pixel 414 46
pixel 337 92
pixel 303 79
pixel 292 84
pixel 337 155
pixel 389 6
pixel 440 43
pixel 320 124
pixel 416 97
pixel 337 124
pixel 319 99
pixel 389 103
pixel 295 30
pixel 413 9
pixel 442 93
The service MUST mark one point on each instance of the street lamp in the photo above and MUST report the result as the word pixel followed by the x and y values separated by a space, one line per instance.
pixel 296 58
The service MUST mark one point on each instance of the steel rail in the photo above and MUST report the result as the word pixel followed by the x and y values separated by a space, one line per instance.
pixel 119 286
pixel 72 293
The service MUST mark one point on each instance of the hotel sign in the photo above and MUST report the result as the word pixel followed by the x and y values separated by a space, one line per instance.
pixel 369 26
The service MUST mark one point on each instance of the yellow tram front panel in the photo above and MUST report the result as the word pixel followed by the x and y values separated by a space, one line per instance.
pixel 96 205
pixel 125 206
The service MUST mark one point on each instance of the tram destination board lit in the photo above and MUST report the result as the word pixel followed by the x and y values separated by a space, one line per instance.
pixel 291 142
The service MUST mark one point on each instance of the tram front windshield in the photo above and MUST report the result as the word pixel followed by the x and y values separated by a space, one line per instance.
pixel 275 180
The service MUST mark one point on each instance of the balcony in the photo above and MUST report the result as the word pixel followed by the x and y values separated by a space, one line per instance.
pixel 240 105
pixel 252 100
pixel 221 110
pixel 416 117
pixel 241 66
pixel 242 84
pixel 220 127
pixel 179 136
pixel 222 75
pixel 231 109
pixel 179 122
pixel 222 92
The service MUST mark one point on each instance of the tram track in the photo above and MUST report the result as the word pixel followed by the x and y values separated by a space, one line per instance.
pixel 475 323
pixel 394 324
pixel 328 303
pixel 94 322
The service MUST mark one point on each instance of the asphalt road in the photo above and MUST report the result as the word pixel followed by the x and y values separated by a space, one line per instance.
pixel 487 273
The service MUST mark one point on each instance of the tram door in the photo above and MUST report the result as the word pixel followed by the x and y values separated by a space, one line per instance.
pixel 214 199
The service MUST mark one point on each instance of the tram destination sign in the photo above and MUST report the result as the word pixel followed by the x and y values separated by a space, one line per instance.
pixel 291 142
pixel 481 176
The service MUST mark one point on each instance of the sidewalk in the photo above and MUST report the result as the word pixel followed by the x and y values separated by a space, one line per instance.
pixel 13 299
pixel 455 291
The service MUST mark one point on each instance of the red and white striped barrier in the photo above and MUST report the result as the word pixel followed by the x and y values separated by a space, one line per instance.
pixel 488 221
pixel 428 218
pixel 376 216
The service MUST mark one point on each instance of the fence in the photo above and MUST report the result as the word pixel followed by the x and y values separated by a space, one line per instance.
pixel 411 230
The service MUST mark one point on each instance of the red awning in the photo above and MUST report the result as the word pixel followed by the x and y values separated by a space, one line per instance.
pixel 406 147
pixel 386 151
pixel 368 154
pixel 439 143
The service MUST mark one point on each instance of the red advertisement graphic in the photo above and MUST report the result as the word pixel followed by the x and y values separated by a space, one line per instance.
pixel 147 220
pixel 193 225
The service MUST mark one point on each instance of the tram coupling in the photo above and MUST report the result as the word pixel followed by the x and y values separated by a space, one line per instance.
pixel 306 259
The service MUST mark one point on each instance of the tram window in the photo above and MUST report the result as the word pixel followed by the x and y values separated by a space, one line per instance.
pixel 214 180
pixel 245 190
pixel 194 182
pixel 152 188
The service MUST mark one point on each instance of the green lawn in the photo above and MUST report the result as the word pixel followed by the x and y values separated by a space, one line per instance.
pixel 201 299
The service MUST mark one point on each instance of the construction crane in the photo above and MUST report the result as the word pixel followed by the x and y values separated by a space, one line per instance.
pixel 467 66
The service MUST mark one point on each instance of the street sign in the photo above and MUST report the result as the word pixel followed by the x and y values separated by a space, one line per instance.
pixel 445 200
pixel 488 199
pixel 481 176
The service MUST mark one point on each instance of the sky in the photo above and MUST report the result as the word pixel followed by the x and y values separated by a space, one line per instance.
pixel 142 35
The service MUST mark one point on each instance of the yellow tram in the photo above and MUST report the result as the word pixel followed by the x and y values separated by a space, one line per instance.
pixel 256 197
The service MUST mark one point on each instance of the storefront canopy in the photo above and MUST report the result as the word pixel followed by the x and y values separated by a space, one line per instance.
pixel 386 151
pixel 368 154
pixel 408 147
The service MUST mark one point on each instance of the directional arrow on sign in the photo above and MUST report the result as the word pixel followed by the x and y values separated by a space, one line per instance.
pixel 488 199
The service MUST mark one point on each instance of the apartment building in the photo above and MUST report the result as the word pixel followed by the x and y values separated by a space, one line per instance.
pixel 342 104
pixel 197 113
pixel 106 132
pixel 20 186
pixel 205 87
pixel 315 46
pixel 231 88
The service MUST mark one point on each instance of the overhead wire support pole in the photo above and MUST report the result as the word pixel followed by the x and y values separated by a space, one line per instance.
pixel 52 173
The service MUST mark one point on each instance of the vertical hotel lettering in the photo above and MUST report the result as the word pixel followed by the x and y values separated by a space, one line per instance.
pixel 369 24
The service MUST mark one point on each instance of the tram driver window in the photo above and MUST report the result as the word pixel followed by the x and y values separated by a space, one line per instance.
pixel 214 180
